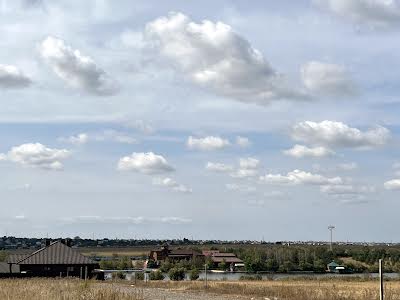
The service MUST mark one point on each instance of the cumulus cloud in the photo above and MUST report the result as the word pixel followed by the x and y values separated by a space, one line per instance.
pixel 300 151
pixel 243 142
pixel 13 78
pixel 338 134
pixel 393 184
pixel 147 163
pixel 374 13
pixel 214 56
pixel 219 167
pixel 248 167
pixel 208 143
pixel 327 79
pixel 76 69
pixel 298 177
pixel 37 155
pixel 172 184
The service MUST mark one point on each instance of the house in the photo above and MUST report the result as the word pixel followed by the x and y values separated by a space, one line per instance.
pixel 230 259
pixel 160 255
pixel 54 260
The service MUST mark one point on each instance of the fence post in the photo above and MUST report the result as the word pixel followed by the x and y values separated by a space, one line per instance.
pixel 205 274
pixel 381 292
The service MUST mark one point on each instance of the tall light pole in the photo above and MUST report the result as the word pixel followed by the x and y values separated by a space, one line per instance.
pixel 331 227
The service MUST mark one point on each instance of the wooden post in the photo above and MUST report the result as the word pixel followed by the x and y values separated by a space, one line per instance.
pixel 205 274
pixel 381 293
pixel 86 273
pixel 81 277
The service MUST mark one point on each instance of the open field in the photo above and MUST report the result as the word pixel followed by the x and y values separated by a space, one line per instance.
pixel 71 289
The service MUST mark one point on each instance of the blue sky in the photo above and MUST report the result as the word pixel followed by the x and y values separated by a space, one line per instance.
pixel 141 119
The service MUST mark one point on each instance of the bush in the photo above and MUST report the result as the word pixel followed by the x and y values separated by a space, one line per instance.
pixel 118 275
pixel 177 274
pixel 156 275
pixel 139 275
pixel 194 274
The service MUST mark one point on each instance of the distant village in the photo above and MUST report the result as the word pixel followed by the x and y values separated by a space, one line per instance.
pixel 10 242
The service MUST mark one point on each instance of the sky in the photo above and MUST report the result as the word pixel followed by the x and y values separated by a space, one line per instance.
pixel 268 120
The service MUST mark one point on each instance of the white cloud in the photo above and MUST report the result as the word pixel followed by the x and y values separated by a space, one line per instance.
pixel 346 189
pixel 171 183
pixel 393 184
pixel 207 144
pixel 79 139
pixel 327 79
pixel 300 151
pixel 76 69
pixel 338 134
pixel 13 78
pixel 147 163
pixel 37 155
pixel 375 13
pixel 249 163
pixel 219 167
pixel 298 177
pixel 243 142
pixel 248 167
pixel 104 136
pixel 214 56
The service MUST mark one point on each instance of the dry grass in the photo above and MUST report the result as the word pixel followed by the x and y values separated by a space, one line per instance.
pixel 292 290
pixel 64 289
pixel 71 289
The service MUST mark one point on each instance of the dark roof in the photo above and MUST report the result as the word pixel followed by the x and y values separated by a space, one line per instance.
pixel 226 259
pixel 56 253
pixel 219 254
pixel 333 264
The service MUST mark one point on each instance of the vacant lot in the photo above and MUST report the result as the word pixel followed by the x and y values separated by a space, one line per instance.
pixel 71 289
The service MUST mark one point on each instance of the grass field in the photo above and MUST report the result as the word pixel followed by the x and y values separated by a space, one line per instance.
pixel 292 289
pixel 63 289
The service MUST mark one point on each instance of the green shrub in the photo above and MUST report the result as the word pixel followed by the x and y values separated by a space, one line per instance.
pixel 194 274
pixel 156 275
pixel 139 275
pixel 176 274
pixel 118 275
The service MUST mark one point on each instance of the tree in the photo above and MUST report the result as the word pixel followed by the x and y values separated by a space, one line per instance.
pixel 223 265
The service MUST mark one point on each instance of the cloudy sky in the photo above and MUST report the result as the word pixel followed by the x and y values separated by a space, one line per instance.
pixel 200 119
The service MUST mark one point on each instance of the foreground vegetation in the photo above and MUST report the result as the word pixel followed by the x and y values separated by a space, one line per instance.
pixel 63 289
pixel 334 289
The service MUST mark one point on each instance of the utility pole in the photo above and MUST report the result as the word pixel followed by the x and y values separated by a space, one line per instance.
pixel 380 280
pixel 331 228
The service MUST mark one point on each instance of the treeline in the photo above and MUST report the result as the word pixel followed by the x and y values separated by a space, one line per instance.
pixel 315 258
